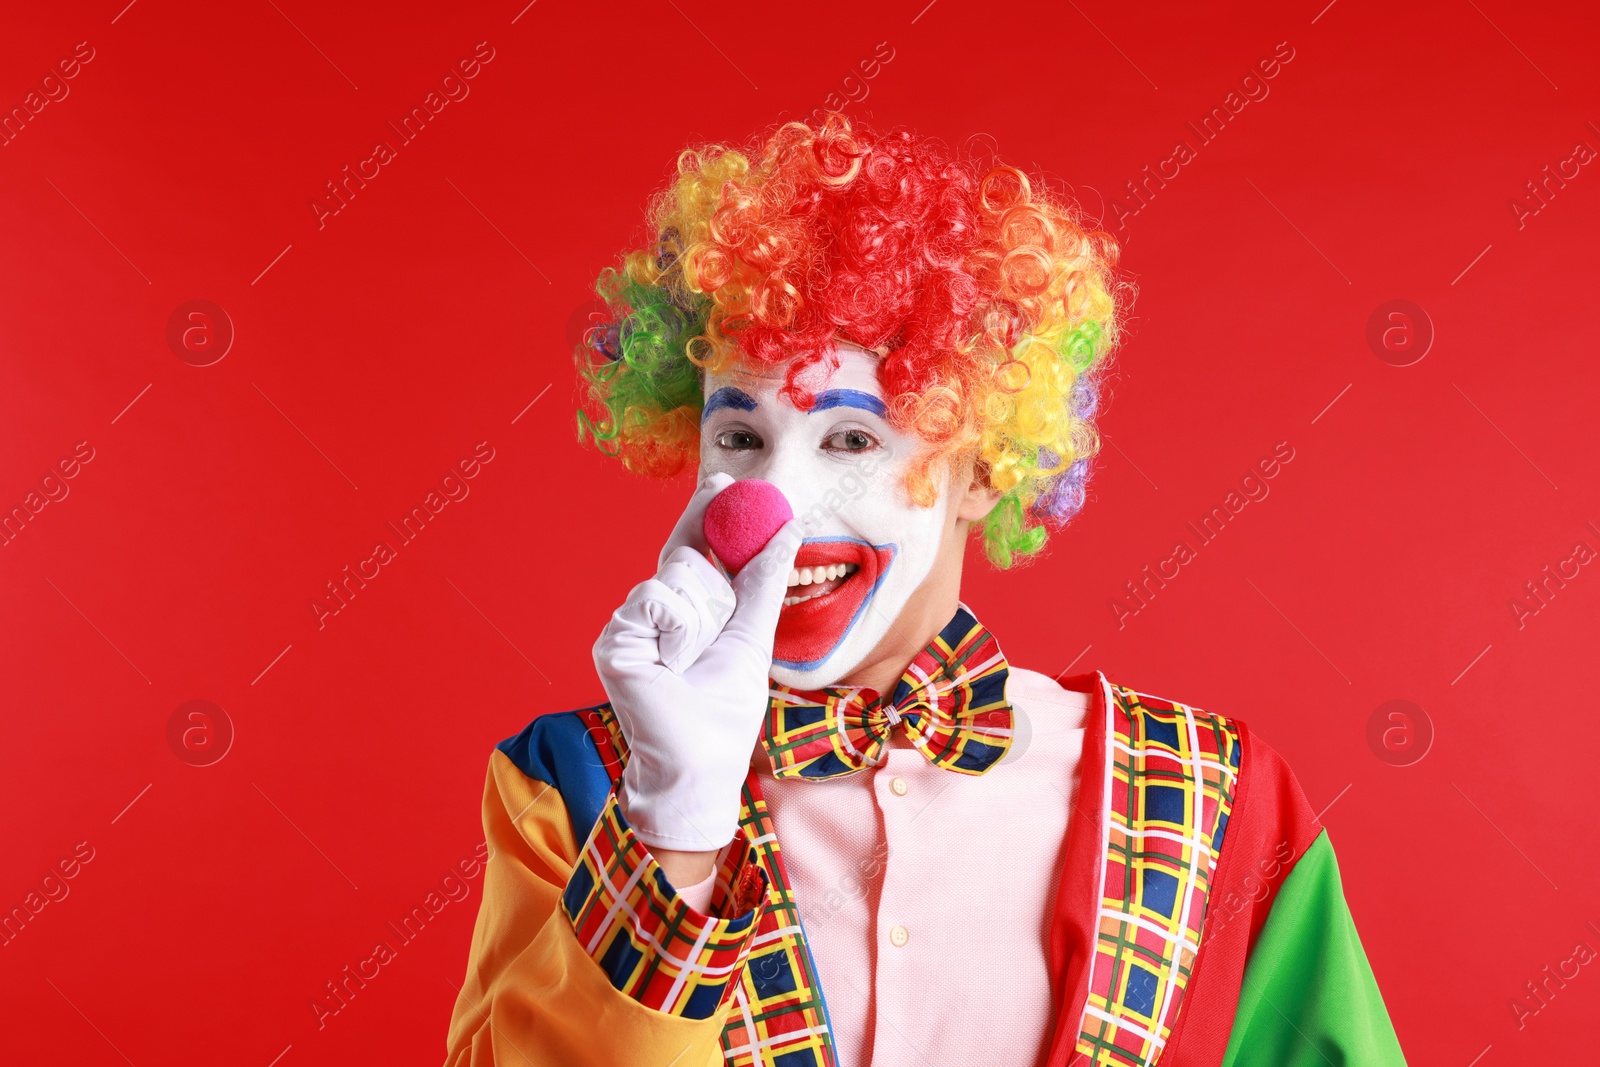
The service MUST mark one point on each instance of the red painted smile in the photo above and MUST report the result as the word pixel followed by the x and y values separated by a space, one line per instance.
pixel 828 590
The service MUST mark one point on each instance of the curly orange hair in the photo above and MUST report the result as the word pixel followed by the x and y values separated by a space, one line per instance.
pixel 993 305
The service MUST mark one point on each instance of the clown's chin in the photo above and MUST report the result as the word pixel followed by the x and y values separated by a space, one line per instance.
pixel 828 592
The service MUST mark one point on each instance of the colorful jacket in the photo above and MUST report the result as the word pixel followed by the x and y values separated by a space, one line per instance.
pixel 1199 919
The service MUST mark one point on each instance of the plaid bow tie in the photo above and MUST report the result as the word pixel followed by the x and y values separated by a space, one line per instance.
pixel 951 702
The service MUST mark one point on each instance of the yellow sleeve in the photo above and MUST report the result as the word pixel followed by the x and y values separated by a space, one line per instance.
pixel 533 995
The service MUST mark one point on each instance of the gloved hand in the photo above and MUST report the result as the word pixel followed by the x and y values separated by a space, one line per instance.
pixel 684 662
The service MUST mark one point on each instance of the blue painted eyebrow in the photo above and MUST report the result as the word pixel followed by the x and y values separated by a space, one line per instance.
pixel 728 397
pixel 849 398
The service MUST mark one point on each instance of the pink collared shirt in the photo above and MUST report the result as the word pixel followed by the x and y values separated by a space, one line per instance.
pixel 927 904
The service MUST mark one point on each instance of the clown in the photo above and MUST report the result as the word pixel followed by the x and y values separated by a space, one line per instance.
pixel 819 819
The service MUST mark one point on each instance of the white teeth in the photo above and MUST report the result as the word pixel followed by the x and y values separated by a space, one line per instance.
pixel 815 575
pixel 799 599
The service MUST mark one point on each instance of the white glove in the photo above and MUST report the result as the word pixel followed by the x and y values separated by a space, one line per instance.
pixel 684 663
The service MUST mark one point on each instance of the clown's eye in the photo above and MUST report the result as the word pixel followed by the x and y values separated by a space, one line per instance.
pixel 738 440
pixel 849 441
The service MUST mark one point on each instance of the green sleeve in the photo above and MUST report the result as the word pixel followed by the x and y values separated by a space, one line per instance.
pixel 1309 998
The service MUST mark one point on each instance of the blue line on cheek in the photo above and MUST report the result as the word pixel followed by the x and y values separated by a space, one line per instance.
pixel 728 397
pixel 849 398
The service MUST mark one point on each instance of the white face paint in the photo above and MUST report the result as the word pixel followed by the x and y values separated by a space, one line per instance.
pixel 843 468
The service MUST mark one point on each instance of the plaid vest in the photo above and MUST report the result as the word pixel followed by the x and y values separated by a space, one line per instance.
pixel 1167 781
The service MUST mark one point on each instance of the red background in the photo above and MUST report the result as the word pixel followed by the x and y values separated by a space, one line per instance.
pixel 427 314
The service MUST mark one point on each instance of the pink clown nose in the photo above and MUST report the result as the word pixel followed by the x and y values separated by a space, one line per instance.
pixel 742 518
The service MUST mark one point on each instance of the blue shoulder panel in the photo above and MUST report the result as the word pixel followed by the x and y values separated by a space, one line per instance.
pixel 556 749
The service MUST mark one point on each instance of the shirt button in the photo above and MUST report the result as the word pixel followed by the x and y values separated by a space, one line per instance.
pixel 899 787
pixel 899 935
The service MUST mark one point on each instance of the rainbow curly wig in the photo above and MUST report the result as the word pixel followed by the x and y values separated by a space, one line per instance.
pixel 991 305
